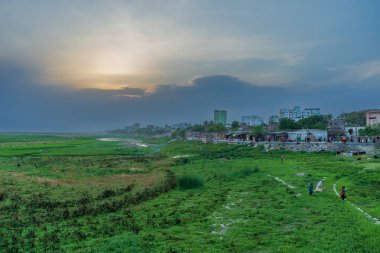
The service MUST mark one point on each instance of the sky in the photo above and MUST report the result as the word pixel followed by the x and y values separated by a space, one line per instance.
pixel 81 65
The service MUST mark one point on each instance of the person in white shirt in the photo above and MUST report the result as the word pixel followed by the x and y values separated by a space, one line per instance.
pixel 319 186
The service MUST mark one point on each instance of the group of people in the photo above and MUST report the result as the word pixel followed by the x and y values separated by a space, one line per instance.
pixel 318 188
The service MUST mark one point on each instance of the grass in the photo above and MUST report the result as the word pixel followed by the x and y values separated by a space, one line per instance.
pixel 189 182
pixel 77 194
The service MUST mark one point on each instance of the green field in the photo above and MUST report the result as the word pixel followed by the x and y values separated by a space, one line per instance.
pixel 80 194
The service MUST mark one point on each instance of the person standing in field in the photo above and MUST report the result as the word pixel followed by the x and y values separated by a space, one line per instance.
pixel 319 186
pixel 282 158
pixel 343 193
pixel 311 188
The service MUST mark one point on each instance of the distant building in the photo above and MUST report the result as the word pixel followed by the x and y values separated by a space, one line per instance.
pixel 307 112
pixel 352 130
pixel 372 117
pixel 336 129
pixel 252 120
pixel 274 119
pixel 307 135
pixel 297 113
pixel 220 116
pixel 272 126
pixel 182 125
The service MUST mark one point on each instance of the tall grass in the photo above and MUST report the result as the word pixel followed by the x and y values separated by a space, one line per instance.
pixel 239 173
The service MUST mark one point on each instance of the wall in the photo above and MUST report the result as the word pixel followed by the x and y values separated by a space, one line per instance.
pixel 369 148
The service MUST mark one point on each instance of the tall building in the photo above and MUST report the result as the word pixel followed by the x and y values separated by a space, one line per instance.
pixel 297 113
pixel 220 116
pixel 252 120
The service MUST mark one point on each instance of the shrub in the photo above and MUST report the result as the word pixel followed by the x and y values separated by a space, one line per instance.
pixel 245 172
pixel 108 193
pixel 189 182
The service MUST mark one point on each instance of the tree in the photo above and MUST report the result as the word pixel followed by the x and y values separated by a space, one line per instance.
pixel 179 133
pixel 257 130
pixel 314 122
pixel 286 123
pixel 197 128
pixel 235 125
pixel 370 131
pixel 216 128
pixel 354 118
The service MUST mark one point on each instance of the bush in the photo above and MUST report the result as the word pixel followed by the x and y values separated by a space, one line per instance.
pixel 108 193
pixel 245 172
pixel 189 182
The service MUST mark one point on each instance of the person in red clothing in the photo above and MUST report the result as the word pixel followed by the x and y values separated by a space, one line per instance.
pixel 343 193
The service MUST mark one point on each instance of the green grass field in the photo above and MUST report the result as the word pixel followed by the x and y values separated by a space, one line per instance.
pixel 79 194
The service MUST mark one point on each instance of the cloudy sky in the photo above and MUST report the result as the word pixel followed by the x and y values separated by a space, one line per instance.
pixel 76 65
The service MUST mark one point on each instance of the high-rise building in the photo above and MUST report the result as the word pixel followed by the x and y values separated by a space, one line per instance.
pixel 220 116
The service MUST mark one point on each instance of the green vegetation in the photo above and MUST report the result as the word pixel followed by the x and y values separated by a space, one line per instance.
pixel 257 130
pixel 235 125
pixel 179 133
pixel 189 182
pixel 370 131
pixel 79 194
pixel 312 122
pixel 354 118
pixel 208 127
pixel 286 123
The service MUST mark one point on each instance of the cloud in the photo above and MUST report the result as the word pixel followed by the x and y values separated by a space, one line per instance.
pixel 144 42
pixel 122 92
pixel 363 71
pixel 29 106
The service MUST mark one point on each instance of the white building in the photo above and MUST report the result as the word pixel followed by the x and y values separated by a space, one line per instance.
pixel 307 112
pixel 301 135
pixel 252 120
pixel 372 117
pixel 352 131
pixel 297 113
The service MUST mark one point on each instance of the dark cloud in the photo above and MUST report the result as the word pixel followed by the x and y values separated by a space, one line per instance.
pixel 28 106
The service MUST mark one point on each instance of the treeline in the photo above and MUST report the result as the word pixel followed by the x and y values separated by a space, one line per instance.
pixel 312 122
pixel 206 127
pixel 354 118
pixel 150 130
